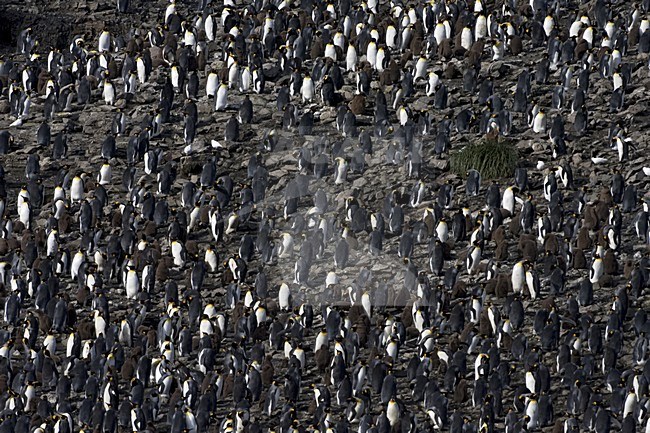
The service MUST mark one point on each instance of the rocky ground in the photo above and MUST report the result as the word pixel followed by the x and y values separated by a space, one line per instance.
pixel 86 127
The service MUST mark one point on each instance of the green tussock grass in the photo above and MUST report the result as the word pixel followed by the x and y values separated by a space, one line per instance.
pixel 492 158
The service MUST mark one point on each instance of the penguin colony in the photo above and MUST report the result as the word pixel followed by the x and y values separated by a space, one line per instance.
pixel 170 262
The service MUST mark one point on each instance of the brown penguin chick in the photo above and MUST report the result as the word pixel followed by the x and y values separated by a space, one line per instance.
pixel 445 50
pixel 128 369
pixel 467 330
pixel 13 244
pixel 216 339
pixel 418 32
pixel 515 224
pixel 86 329
pixel 460 391
pixel 44 321
pixel 152 338
pixel 579 259
pixel 133 46
pixel 4 247
pixel 582 47
pixel 506 341
pixel 192 248
pixel 207 382
pixel 548 304
pixel 162 270
pixel 551 244
pixel 558 426
pixel 490 286
pixel 113 70
pixel 40 237
pixel 529 250
pixel 201 61
pixel 394 72
pixel 363 327
pixel 227 276
pixel 65 222
pixel 222 73
pixel 19 227
pixel 499 234
pixel 311 409
pixel 3 383
pixel 561 263
pixel 525 237
pixel 406 57
pixel 358 105
pixel 204 215
pixel 355 312
pixel 459 290
pixel 628 267
pixel 151 428
pixel 177 396
pixel 322 359
pixel 260 333
pixel 236 314
pixel 605 196
pixel 476 52
pixel 157 60
pixel 116 217
pixel 268 371
pixel 41 84
pixel 590 221
pixel 459 24
pixel 610 264
pixel 317 47
pixel 469 221
pixel 150 229
pixel 501 252
pixel 400 298
pixel 583 240
pixel 451 71
pixel 407 317
pixel 154 250
pixel 272 307
pixel 516 45
pixel 417 43
pixel 606 281
pixel 93 82
pixel 459 50
pixel 26 240
pixel 83 295
pixel 484 325
pixel 602 211
pixel 633 35
pixel 503 286
pixel 171 41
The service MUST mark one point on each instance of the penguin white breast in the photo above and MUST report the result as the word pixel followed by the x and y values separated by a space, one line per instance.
pixel 575 28
pixel 549 24
pixel 222 97
pixel 380 60
pixel 539 124
pixel 440 33
pixel 371 54
pixel 588 35
pixel 391 36
pixel 351 58
pixel 645 25
pixel 420 68
pixel 466 38
pixel 212 84
pixel 480 28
